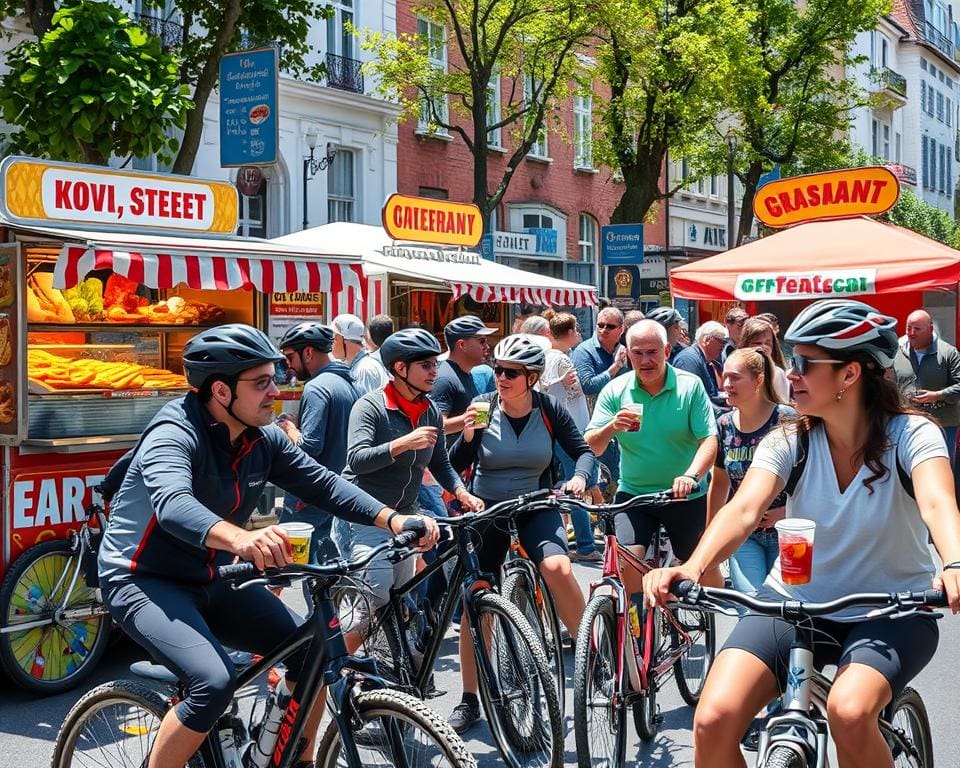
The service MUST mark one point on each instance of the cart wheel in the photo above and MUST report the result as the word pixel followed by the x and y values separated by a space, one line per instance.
pixel 57 655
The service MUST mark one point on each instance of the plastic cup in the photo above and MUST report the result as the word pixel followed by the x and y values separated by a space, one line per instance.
pixel 637 409
pixel 482 416
pixel 299 535
pixel 795 536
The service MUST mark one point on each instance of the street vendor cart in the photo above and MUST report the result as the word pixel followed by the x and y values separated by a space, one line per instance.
pixel 104 276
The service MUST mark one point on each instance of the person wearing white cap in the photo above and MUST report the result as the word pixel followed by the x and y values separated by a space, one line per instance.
pixel 348 335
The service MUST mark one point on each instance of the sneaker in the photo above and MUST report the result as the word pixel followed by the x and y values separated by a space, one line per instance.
pixel 590 557
pixel 571 534
pixel 464 716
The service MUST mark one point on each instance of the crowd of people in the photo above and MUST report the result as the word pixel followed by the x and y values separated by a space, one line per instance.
pixel 393 430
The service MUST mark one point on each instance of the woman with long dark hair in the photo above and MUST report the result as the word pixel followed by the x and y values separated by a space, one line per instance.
pixel 877 482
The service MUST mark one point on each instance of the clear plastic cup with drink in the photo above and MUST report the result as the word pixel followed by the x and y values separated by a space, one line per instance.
pixel 481 416
pixel 795 536
pixel 299 535
pixel 637 410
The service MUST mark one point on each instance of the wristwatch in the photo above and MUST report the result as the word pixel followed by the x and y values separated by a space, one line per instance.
pixel 695 478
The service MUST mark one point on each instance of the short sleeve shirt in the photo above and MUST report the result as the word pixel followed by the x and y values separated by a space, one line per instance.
pixel 454 389
pixel 675 420
pixel 865 541
pixel 736 448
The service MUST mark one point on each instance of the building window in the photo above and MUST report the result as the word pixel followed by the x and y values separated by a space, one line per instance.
pixel 434 37
pixel 714 186
pixel 341 187
pixel 434 192
pixel 583 130
pixel 949 165
pixel 925 163
pixel 948 112
pixel 931 101
pixel 588 238
pixel 875 138
pixel 253 213
pixel 885 142
pixel 493 110
pixel 897 150
pixel 539 146
pixel 340 41
pixel 923 96
pixel 943 168
pixel 940 116
pixel 923 64
pixel 537 221
pixel 932 153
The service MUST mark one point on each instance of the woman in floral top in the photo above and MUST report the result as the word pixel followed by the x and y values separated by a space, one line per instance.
pixel 748 380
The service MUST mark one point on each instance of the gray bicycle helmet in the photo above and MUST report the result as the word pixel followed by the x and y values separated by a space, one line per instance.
pixel 846 326
pixel 407 346
pixel 227 350
pixel 308 334
pixel 521 350
pixel 666 316
pixel 464 327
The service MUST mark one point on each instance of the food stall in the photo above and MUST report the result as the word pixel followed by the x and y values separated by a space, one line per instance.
pixel 826 250
pixel 104 276
pixel 420 270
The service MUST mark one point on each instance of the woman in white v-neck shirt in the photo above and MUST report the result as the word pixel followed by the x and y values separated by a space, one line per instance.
pixel 872 535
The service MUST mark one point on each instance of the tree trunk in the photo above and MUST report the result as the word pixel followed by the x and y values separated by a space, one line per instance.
pixel 40 12
pixel 207 81
pixel 641 186
pixel 746 208
pixel 92 155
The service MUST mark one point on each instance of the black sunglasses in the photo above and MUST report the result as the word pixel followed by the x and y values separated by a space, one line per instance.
pixel 607 326
pixel 800 364
pixel 510 373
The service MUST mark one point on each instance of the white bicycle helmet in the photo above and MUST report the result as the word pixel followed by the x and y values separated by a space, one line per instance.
pixel 846 326
pixel 521 350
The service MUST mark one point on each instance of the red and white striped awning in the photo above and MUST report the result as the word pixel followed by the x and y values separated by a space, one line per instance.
pixel 558 297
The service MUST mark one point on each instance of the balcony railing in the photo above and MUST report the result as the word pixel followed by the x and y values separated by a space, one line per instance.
pixel 169 32
pixel 905 173
pixel 344 73
pixel 888 80
pixel 937 39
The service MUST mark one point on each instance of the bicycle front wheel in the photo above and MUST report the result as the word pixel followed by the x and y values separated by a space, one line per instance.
pixel 396 729
pixel 784 757
pixel 521 701
pixel 535 602
pixel 60 653
pixel 113 725
pixel 911 741
pixel 692 667
pixel 599 710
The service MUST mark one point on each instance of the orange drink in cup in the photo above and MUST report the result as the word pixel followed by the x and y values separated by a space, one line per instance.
pixel 795 536
pixel 299 535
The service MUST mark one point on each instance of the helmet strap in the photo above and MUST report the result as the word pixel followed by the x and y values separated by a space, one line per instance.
pixel 232 386
pixel 421 393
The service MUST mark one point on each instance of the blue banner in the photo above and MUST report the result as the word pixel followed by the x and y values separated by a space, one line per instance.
pixel 249 119
pixel 486 246
pixel 621 244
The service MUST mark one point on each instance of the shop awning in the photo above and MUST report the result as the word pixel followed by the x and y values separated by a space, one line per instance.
pixel 202 263
pixel 886 258
pixel 481 279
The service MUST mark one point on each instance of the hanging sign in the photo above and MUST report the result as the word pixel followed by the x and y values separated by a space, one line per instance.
pixel 426 220
pixel 832 195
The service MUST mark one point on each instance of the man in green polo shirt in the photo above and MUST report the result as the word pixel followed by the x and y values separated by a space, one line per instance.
pixel 673 449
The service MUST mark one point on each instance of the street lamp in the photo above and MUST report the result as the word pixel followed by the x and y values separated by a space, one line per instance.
pixel 312 166
pixel 731 148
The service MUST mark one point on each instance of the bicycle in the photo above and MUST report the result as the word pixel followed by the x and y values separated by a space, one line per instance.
pixel 55 627
pixel 623 657
pixel 517 687
pixel 797 736
pixel 115 723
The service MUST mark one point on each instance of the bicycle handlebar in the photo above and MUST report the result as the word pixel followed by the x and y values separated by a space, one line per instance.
pixel 500 509
pixel 694 594
pixel 399 544
pixel 660 498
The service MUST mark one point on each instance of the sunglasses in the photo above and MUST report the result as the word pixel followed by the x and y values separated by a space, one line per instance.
pixel 428 365
pixel 607 326
pixel 260 383
pixel 800 364
pixel 509 373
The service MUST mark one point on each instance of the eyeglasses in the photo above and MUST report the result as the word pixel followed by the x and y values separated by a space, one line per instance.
pixel 800 364
pixel 607 326
pixel 291 355
pixel 509 373
pixel 260 383
pixel 428 365
pixel 740 321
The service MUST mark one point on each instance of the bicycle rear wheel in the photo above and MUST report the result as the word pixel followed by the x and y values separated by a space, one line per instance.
pixel 692 667
pixel 536 604
pixel 524 713
pixel 911 741
pixel 394 720
pixel 599 710
pixel 58 655
pixel 113 725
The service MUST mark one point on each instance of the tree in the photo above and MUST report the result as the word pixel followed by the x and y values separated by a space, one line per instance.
pixel 668 64
pixel 95 85
pixel 922 217
pixel 528 44
pixel 791 98
pixel 207 30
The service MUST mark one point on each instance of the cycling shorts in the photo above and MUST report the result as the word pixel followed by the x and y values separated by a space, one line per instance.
pixel 182 627
pixel 684 521
pixel 897 648
pixel 542 535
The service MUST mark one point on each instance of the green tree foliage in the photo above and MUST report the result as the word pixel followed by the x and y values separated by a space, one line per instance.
pixel 207 29
pixel 922 217
pixel 93 86
pixel 509 39
pixel 790 95
pixel 668 64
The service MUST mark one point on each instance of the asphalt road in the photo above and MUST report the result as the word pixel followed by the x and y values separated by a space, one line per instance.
pixel 28 726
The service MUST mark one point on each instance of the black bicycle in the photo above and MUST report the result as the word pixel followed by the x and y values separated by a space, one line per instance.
pixel 517 687
pixel 798 736
pixel 116 723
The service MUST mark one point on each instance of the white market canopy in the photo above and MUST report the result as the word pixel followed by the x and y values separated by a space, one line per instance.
pixel 465 273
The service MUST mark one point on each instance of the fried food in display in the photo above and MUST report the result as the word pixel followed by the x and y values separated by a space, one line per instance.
pixel 59 372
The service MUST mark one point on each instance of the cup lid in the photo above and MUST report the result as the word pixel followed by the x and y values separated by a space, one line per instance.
pixel 795 525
